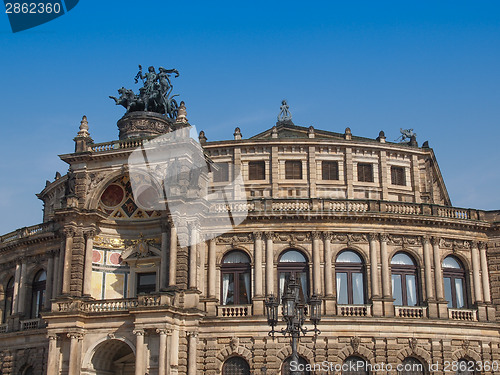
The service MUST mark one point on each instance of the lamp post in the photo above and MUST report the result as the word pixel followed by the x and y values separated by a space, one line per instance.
pixel 294 311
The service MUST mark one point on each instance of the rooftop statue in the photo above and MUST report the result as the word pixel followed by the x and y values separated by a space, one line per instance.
pixel 406 134
pixel 154 96
pixel 284 114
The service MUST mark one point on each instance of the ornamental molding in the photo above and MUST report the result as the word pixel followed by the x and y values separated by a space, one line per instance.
pixel 355 342
pixel 455 245
pixel 292 238
pixel 235 239
pixel 350 238
pixel 109 243
pixel 413 344
pixel 404 241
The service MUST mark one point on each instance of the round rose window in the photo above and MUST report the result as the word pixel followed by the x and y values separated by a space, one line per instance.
pixel 112 196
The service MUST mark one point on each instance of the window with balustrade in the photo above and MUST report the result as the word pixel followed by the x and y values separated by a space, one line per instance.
pixel 293 262
pixel 236 366
pixel 466 367
pixel 405 283
pixel 8 299
pixel 412 366
pixel 354 365
pixel 454 283
pixel 235 271
pixel 300 367
pixel 38 294
pixel 146 283
pixel 350 278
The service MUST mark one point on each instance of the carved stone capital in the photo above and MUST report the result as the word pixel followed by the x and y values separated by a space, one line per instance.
pixel 327 236
pixel 90 232
pixel 384 237
pixel 257 235
pixel 52 336
pixel 74 335
pixel 373 236
pixel 269 235
pixel 474 244
pixel 69 231
pixel 139 332
pixel 435 241
pixel 162 331
pixel 192 334
pixel 316 235
pixel 482 245
pixel 426 240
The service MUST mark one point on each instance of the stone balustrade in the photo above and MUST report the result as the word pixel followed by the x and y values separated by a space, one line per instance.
pixel 410 311
pixel 234 311
pixel 463 314
pixel 30 324
pixel 27 232
pixel 4 328
pixel 354 310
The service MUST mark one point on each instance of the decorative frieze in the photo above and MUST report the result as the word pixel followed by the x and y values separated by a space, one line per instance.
pixel 234 239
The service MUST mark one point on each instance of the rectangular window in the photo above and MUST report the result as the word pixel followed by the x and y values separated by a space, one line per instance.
pixel 358 297
pixel 411 290
pixel 365 172
pixel 256 170
pixel 221 172
pixel 146 282
pixel 342 291
pixel 447 291
pixel 293 170
pixel 330 170
pixel 397 293
pixel 398 176
pixel 459 288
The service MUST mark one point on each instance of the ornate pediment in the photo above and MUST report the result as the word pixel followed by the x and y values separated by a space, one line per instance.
pixel 140 250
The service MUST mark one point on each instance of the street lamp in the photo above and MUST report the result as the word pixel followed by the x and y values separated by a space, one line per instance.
pixel 294 311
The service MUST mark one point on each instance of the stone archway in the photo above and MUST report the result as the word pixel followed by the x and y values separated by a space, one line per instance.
pixel 112 357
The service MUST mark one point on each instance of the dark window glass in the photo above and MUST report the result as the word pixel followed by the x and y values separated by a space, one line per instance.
pixel 293 170
pixel 293 262
pixel 38 293
pixel 330 170
pixel 301 365
pixel 466 367
pixel 354 366
pixel 221 172
pixel 28 371
pixel 9 295
pixel 350 279
pixel 146 282
pixel 365 172
pixel 236 366
pixel 256 170
pixel 404 280
pixel 235 270
pixel 398 176
pixel 412 366
pixel 454 283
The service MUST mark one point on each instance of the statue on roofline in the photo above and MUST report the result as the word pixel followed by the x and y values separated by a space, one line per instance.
pixel 154 96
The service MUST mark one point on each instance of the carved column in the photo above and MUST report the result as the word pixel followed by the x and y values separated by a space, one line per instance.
pixel 139 352
pixel 69 233
pixel 17 283
pixel 52 356
pixel 373 238
pixel 428 268
pixel 74 353
pixel 212 268
pixel 328 264
pixel 269 263
pixel 56 275
pixel 172 279
pixel 162 354
pixel 194 238
pixel 192 349
pixel 258 264
pixel 476 273
pixel 388 301
pixel 485 273
pixel 316 263
pixel 87 273
pixel 438 271
pixel 201 249
pixel 164 256
pixel 174 352
pixel 22 288
pixel 50 280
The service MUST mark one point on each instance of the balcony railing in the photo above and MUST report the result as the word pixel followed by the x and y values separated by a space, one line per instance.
pixel 4 328
pixel 410 311
pixel 112 305
pixel 463 314
pixel 26 325
pixel 301 206
pixel 27 232
pixel 354 310
pixel 234 311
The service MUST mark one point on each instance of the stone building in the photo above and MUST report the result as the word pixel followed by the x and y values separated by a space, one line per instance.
pixel 111 284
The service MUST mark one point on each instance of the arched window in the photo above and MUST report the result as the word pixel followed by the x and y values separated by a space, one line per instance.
pixel 235 270
pixel 466 367
pixel 412 366
pixel 38 293
pixel 9 297
pixel 354 366
pixel 293 261
pixel 404 280
pixel 236 366
pixel 454 282
pixel 350 272
pixel 300 367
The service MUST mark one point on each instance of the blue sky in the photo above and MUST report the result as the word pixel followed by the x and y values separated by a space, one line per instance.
pixel 369 65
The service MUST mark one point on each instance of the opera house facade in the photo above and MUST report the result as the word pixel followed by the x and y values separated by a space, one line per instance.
pixel 134 274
